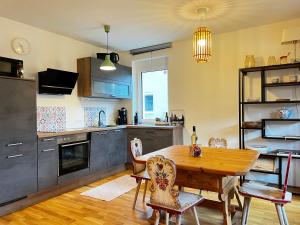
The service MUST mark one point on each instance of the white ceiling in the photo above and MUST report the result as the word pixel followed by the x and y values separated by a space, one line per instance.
pixel 140 23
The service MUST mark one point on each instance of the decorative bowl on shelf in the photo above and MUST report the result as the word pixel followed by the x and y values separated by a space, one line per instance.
pixel 284 113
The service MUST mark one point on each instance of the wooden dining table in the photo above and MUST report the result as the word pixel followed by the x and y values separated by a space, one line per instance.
pixel 216 170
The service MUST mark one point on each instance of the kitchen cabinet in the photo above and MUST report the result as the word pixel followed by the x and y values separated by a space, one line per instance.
pixel 93 82
pixel 99 151
pixel 18 172
pixel 108 149
pixel 154 139
pixel 117 153
pixel 47 163
pixel 18 148
pixel 18 107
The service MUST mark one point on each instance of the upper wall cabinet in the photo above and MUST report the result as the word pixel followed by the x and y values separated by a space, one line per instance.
pixel 93 82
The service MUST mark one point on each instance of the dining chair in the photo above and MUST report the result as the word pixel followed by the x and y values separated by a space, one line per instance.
pixel 164 197
pixel 222 143
pixel 139 169
pixel 279 197
pixel 217 142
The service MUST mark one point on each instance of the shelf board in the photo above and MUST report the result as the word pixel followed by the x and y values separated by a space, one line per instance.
pixel 251 128
pixel 266 171
pixel 287 120
pixel 283 138
pixel 271 102
pixel 274 67
pixel 282 84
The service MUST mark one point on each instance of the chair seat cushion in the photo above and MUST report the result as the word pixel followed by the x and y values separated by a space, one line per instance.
pixel 186 200
pixel 257 190
pixel 141 175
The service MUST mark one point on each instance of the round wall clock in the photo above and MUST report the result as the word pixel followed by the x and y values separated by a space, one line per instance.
pixel 21 46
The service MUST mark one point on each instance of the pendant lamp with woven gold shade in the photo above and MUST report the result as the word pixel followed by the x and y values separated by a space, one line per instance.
pixel 202 42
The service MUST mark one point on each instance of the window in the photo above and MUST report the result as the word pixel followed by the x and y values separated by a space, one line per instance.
pixel 154 94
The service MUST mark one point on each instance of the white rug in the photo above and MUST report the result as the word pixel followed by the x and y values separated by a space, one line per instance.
pixel 112 189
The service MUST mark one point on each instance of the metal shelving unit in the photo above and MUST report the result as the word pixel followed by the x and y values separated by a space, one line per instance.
pixel 263 86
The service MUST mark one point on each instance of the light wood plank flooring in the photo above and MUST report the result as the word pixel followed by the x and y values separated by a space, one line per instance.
pixel 73 209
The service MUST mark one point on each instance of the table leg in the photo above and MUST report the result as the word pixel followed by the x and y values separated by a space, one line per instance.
pixel 226 211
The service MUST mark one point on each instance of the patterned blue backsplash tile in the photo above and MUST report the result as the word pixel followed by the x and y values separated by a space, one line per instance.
pixel 51 118
pixel 91 116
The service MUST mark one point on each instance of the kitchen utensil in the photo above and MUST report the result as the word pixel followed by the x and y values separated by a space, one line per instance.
pixel 114 57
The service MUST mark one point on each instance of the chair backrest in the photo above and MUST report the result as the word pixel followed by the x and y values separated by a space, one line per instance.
pixel 217 142
pixel 162 173
pixel 287 175
pixel 136 149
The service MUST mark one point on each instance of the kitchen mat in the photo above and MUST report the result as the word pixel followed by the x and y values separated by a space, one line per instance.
pixel 112 189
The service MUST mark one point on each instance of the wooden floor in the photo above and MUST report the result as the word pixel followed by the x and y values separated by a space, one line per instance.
pixel 73 209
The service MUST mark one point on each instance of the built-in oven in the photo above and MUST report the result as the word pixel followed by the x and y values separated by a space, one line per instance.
pixel 73 153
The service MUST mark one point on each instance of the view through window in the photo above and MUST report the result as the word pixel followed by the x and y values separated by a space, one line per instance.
pixel 155 94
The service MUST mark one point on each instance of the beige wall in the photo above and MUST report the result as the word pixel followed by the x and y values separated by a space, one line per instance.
pixel 58 52
pixel 208 93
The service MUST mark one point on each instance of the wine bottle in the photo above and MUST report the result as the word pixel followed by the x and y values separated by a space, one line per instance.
pixel 194 136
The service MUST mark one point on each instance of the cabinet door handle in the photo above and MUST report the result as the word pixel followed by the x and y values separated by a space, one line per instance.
pixel 76 143
pixel 102 133
pixel 14 156
pixel 48 150
pixel 14 144
pixel 48 139
pixel 117 130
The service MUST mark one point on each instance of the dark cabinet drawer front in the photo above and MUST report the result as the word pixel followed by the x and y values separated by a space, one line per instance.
pixel 47 167
pixel 18 176
pixel 45 143
pixel 17 145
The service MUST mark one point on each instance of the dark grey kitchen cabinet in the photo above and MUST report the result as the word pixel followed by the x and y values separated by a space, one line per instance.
pixel 18 107
pixel 155 138
pixel 93 82
pixel 47 163
pixel 18 148
pixel 108 149
pixel 18 172
pixel 117 153
pixel 99 150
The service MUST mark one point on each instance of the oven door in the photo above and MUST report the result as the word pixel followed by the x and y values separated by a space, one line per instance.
pixel 73 157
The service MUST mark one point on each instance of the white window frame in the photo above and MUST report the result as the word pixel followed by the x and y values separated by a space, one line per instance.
pixel 142 96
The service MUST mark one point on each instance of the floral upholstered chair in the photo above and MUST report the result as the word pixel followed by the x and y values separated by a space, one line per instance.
pixel 164 197
pixel 139 172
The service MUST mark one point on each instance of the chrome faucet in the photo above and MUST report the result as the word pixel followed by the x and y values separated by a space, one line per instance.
pixel 100 123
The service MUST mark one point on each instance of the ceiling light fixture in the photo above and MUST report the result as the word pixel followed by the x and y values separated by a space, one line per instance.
pixel 202 40
pixel 107 63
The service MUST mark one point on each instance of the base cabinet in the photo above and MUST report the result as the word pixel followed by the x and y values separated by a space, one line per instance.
pixel 47 163
pixel 18 172
pixel 108 149
pixel 154 139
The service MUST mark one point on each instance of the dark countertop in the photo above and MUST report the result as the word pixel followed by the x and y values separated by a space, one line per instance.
pixel 96 129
